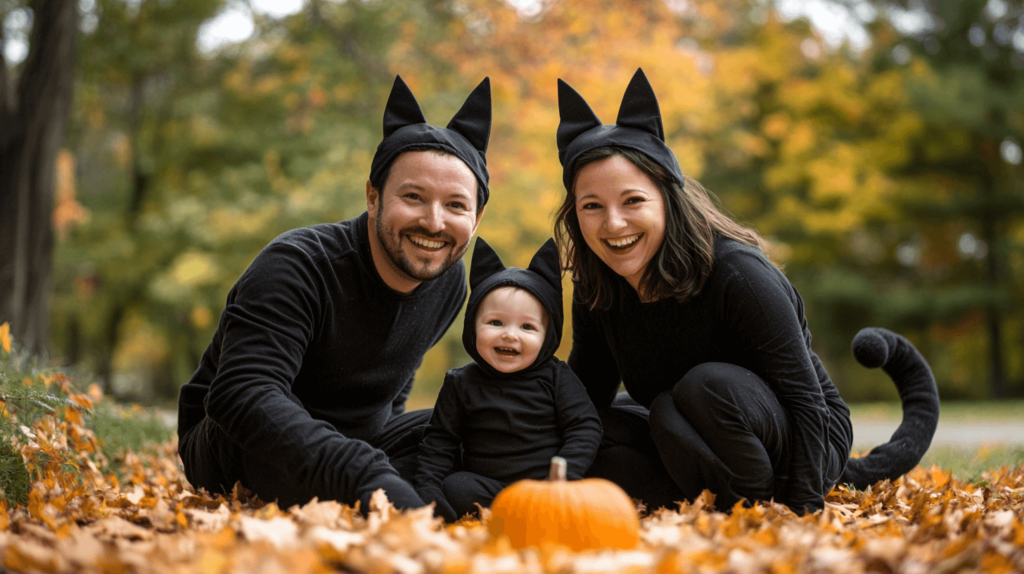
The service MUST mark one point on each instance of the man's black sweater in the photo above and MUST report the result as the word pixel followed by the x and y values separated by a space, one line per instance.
pixel 312 356
pixel 747 314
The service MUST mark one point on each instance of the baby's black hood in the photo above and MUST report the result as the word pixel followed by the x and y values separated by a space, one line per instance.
pixel 543 279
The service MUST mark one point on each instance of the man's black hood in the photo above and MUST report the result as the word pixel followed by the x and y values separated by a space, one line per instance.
pixel 542 279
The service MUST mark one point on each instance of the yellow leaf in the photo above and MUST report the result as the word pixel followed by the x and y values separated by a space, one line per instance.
pixel 5 336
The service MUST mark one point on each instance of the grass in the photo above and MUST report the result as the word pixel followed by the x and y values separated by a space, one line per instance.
pixel 1012 409
pixel 120 428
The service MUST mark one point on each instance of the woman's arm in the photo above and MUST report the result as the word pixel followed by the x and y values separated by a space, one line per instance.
pixel 591 359
pixel 765 315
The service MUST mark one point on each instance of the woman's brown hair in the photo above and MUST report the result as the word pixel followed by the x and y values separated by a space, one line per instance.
pixel 683 261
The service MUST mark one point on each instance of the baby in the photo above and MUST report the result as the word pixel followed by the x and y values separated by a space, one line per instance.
pixel 517 405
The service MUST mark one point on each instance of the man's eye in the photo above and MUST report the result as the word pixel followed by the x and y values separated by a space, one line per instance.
pixel 457 205
pixel 413 196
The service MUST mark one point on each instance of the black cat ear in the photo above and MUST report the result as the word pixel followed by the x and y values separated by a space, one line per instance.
pixel 574 115
pixel 485 263
pixel 639 108
pixel 473 120
pixel 546 264
pixel 402 108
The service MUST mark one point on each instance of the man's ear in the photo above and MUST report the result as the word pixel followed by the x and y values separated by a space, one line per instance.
pixel 372 197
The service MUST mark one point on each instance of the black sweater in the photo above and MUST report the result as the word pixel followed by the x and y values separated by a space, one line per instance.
pixel 748 314
pixel 509 425
pixel 311 320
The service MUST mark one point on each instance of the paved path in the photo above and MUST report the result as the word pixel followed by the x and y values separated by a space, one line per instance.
pixel 869 432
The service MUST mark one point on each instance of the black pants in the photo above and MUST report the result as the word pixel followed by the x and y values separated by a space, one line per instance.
pixel 719 428
pixel 464 490
pixel 215 462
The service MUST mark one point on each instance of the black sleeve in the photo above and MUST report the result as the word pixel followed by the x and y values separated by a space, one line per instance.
pixel 591 359
pixel 578 420
pixel 766 318
pixel 440 447
pixel 398 405
pixel 271 317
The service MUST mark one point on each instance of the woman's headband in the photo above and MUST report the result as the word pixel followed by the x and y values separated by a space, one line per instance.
pixel 638 127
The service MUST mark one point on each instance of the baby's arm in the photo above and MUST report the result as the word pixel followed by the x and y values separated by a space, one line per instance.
pixel 439 448
pixel 577 417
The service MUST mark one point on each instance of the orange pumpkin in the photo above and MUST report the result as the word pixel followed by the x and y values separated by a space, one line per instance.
pixel 584 514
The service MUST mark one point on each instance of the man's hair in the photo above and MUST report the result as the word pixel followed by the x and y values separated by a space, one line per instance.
pixel 381 179
pixel 682 262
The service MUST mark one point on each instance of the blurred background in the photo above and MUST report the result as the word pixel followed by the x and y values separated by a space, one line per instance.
pixel 150 148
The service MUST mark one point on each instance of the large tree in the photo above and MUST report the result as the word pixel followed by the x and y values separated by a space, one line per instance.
pixel 33 112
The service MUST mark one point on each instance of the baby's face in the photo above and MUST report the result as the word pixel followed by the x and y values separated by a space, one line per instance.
pixel 510 329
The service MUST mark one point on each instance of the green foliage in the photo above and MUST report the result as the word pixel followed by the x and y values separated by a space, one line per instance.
pixel 21 405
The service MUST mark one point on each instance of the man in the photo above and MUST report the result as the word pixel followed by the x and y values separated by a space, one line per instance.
pixel 302 391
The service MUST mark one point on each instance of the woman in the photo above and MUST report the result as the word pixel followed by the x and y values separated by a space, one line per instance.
pixel 678 302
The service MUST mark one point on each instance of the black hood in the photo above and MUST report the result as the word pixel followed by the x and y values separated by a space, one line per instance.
pixel 542 279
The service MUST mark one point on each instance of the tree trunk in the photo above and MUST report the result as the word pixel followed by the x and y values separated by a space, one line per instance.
pixel 31 132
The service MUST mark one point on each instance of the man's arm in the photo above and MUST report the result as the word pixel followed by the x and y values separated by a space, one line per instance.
pixel 271 317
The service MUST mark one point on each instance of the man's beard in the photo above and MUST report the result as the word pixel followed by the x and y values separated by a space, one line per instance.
pixel 391 241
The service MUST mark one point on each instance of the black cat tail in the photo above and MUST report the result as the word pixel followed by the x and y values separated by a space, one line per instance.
pixel 875 347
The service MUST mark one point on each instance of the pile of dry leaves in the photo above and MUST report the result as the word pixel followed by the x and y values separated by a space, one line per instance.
pixel 79 520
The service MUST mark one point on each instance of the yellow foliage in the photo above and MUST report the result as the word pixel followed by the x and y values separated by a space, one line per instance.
pixel 5 336
pixel 194 268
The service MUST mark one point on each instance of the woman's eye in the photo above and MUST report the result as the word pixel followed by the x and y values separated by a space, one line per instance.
pixel 634 199
pixel 590 206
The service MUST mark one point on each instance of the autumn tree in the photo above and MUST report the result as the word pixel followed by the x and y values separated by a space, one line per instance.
pixel 35 99
pixel 963 179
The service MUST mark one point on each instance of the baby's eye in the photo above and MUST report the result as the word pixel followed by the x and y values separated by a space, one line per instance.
pixel 494 323
pixel 528 327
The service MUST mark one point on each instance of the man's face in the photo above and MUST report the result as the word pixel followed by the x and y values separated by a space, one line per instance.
pixel 421 223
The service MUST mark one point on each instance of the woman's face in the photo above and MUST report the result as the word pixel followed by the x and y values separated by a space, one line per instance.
pixel 621 214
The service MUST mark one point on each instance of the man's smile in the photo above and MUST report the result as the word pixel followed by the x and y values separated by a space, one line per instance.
pixel 426 243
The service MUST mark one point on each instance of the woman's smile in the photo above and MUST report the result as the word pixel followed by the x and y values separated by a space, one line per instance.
pixel 623 243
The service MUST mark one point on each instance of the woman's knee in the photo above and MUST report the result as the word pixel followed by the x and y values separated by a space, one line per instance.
pixel 716 391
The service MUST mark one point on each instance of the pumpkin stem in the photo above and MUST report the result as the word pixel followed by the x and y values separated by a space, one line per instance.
pixel 558 469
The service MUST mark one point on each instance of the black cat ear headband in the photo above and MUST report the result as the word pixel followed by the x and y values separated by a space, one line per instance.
pixel 638 127
pixel 465 136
